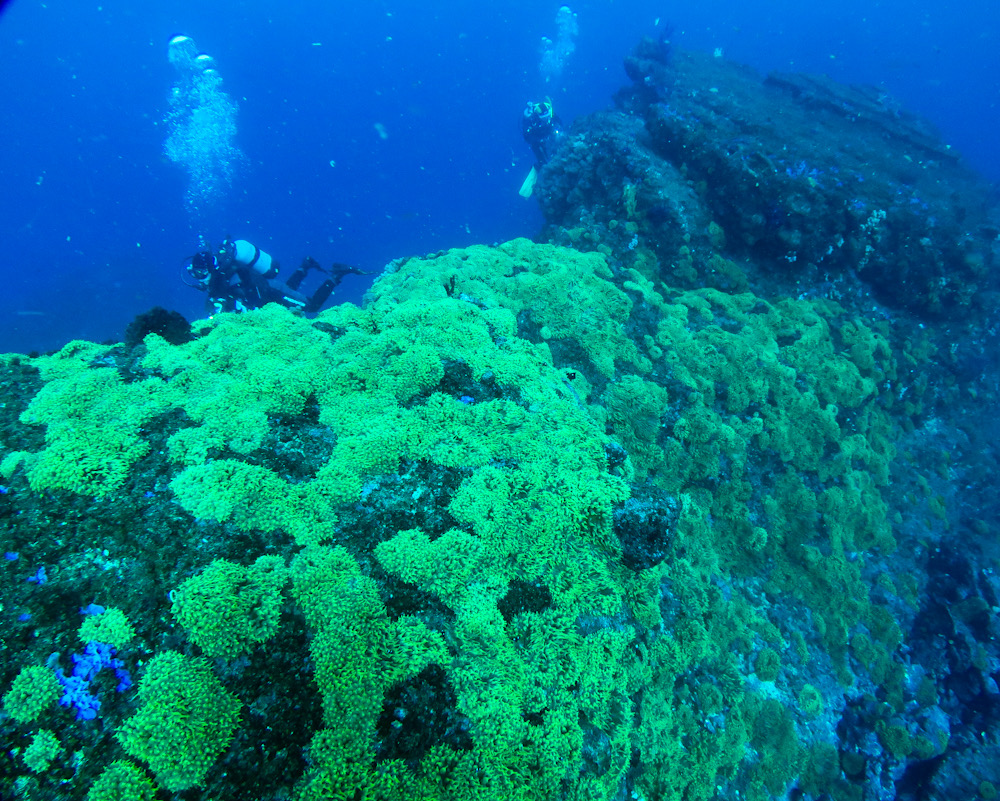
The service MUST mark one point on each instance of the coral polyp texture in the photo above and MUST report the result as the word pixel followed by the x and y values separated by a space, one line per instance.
pixel 532 523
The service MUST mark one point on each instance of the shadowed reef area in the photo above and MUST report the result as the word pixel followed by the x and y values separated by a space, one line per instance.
pixel 692 498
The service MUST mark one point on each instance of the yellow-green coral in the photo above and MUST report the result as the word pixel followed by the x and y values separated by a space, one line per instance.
pixel 122 781
pixel 352 633
pixel 228 609
pixel 253 497
pixel 10 463
pixel 565 293
pixel 770 378
pixel 352 649
pixel 810 701
pixel 185 720
pixel 447 566
pixel 767 664
pixel 42 752
pixel 765 422
pixel 34 688
pixel 93 424
pixel 112 626
pixel 635 408
pixel 245 369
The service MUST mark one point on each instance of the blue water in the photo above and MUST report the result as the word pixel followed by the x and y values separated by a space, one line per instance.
pixel 373 130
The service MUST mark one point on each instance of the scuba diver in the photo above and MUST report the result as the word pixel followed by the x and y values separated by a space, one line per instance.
pixel 542 130
pixel 239 277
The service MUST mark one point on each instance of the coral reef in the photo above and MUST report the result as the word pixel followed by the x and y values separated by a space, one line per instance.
pixel 650 521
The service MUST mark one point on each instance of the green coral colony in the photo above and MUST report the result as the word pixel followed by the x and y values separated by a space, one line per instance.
pixel 522 394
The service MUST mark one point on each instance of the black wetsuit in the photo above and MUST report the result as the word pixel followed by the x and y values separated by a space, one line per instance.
pixel 236 287
pixel 542 133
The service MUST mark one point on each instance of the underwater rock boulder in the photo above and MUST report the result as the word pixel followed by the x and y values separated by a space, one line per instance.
pixel 800 175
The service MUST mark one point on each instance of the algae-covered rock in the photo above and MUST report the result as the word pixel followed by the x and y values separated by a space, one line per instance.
pixel 529 523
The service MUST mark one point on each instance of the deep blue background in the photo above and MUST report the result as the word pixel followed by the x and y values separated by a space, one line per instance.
pixel 92 220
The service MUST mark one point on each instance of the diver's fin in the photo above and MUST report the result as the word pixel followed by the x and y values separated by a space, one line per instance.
pixel 338 271
pixel 529 183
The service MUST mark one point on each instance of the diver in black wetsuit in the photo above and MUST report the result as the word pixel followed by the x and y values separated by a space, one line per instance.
pixel 239 276
pixel 541 129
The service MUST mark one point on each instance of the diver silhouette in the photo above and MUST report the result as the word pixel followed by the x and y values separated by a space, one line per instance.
pixel 239 276
pixel 542 131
